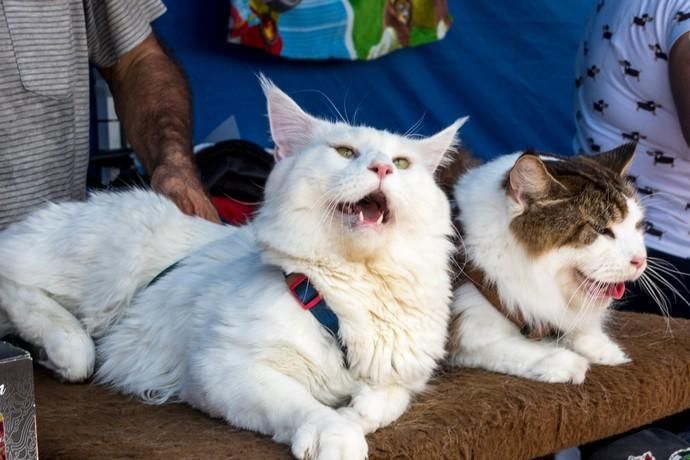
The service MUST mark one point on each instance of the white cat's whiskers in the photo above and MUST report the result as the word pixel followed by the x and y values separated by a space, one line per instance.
pixel 330 103
pixel 411 132
pixel 403 202
pixel 331 205
pixel 345 106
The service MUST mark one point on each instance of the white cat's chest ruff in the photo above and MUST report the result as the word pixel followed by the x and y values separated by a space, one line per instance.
pixel 392 333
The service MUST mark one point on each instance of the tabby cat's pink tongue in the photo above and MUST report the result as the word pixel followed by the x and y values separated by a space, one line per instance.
pixel 615 290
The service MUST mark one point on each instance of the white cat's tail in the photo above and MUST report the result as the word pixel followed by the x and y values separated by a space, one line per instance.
pixel 121 367
pixel 145 353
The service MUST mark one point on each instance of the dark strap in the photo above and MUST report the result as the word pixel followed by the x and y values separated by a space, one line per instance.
pixel 310 299
pixel 305 294
pixel 490 293
pixel 163 273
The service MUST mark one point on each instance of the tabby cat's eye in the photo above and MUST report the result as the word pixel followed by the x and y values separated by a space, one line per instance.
pixel 401 163
pixel 345 151
pixel 606 232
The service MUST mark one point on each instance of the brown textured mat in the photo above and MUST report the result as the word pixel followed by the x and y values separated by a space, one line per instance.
pixel 466 413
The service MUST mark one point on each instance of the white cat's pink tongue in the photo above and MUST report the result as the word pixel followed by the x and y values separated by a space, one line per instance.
pixel 370 213
pixel 615 290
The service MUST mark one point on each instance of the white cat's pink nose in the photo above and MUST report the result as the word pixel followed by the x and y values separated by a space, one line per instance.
pixel 638 261
pixel 381 169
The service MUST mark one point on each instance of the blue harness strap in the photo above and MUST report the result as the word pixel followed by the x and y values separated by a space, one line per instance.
pixel 305 294
pixel 310 299
pixel 163 273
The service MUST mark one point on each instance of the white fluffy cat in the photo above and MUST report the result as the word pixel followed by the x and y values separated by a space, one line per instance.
pixel 553 241
pixel 354 209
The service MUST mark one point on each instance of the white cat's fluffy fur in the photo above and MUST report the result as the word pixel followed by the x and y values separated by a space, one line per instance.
pixel 542 289
pixel 221 331
pixel 68 271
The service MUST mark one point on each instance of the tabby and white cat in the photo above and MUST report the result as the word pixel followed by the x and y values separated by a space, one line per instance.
pixel 549 243
pixel 351 208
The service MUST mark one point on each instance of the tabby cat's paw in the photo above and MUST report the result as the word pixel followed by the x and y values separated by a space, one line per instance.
pixel 69 353
pixel 600 350
pixel 335 439
pixel 561 366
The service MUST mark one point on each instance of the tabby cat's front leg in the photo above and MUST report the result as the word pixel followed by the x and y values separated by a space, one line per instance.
pixel 595 345
pixel 262 399
pixel 482 337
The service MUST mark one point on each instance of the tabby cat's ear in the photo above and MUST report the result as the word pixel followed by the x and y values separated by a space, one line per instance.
pixel 529 178
pixel 618 159
pixel 290 125
pixel 436 147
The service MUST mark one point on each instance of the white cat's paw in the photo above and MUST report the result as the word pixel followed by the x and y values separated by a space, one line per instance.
pixel 334 439
pixel 600 350
pixel 69 353
pixel 373 408
pixel 367 423
pixel 561 366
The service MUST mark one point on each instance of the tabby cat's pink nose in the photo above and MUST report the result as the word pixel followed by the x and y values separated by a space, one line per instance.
pixel 381 169
pixel 638 261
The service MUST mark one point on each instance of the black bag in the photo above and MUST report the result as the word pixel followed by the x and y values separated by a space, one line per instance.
pixel 234 172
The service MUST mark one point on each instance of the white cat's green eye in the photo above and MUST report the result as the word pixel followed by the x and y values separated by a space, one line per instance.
pixel 401 163
pixel 345 151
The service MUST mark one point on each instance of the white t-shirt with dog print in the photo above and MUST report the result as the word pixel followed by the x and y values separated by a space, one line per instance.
pixel 623 94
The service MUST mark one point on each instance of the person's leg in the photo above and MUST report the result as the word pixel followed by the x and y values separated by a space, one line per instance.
pixel 668 274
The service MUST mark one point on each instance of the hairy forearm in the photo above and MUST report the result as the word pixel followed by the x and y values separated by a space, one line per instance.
pixel 153 103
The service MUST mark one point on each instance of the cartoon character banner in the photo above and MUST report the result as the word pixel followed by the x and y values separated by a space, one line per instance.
pixel 339 29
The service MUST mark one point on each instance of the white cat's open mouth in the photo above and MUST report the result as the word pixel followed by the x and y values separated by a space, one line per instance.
pixel 601 289
pixel 370 210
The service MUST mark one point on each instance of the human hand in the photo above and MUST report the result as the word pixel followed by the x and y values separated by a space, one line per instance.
pixel 180 182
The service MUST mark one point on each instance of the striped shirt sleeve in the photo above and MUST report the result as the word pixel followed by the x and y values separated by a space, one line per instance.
pixel 114 27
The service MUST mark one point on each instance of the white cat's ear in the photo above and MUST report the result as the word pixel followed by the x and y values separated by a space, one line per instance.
pixel 436 147
pixel 529 178
pixel 290 125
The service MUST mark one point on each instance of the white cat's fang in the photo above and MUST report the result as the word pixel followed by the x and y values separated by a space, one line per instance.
pixel 370 211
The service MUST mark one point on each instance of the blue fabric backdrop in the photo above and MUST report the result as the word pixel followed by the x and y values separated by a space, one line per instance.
pixel 508 64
